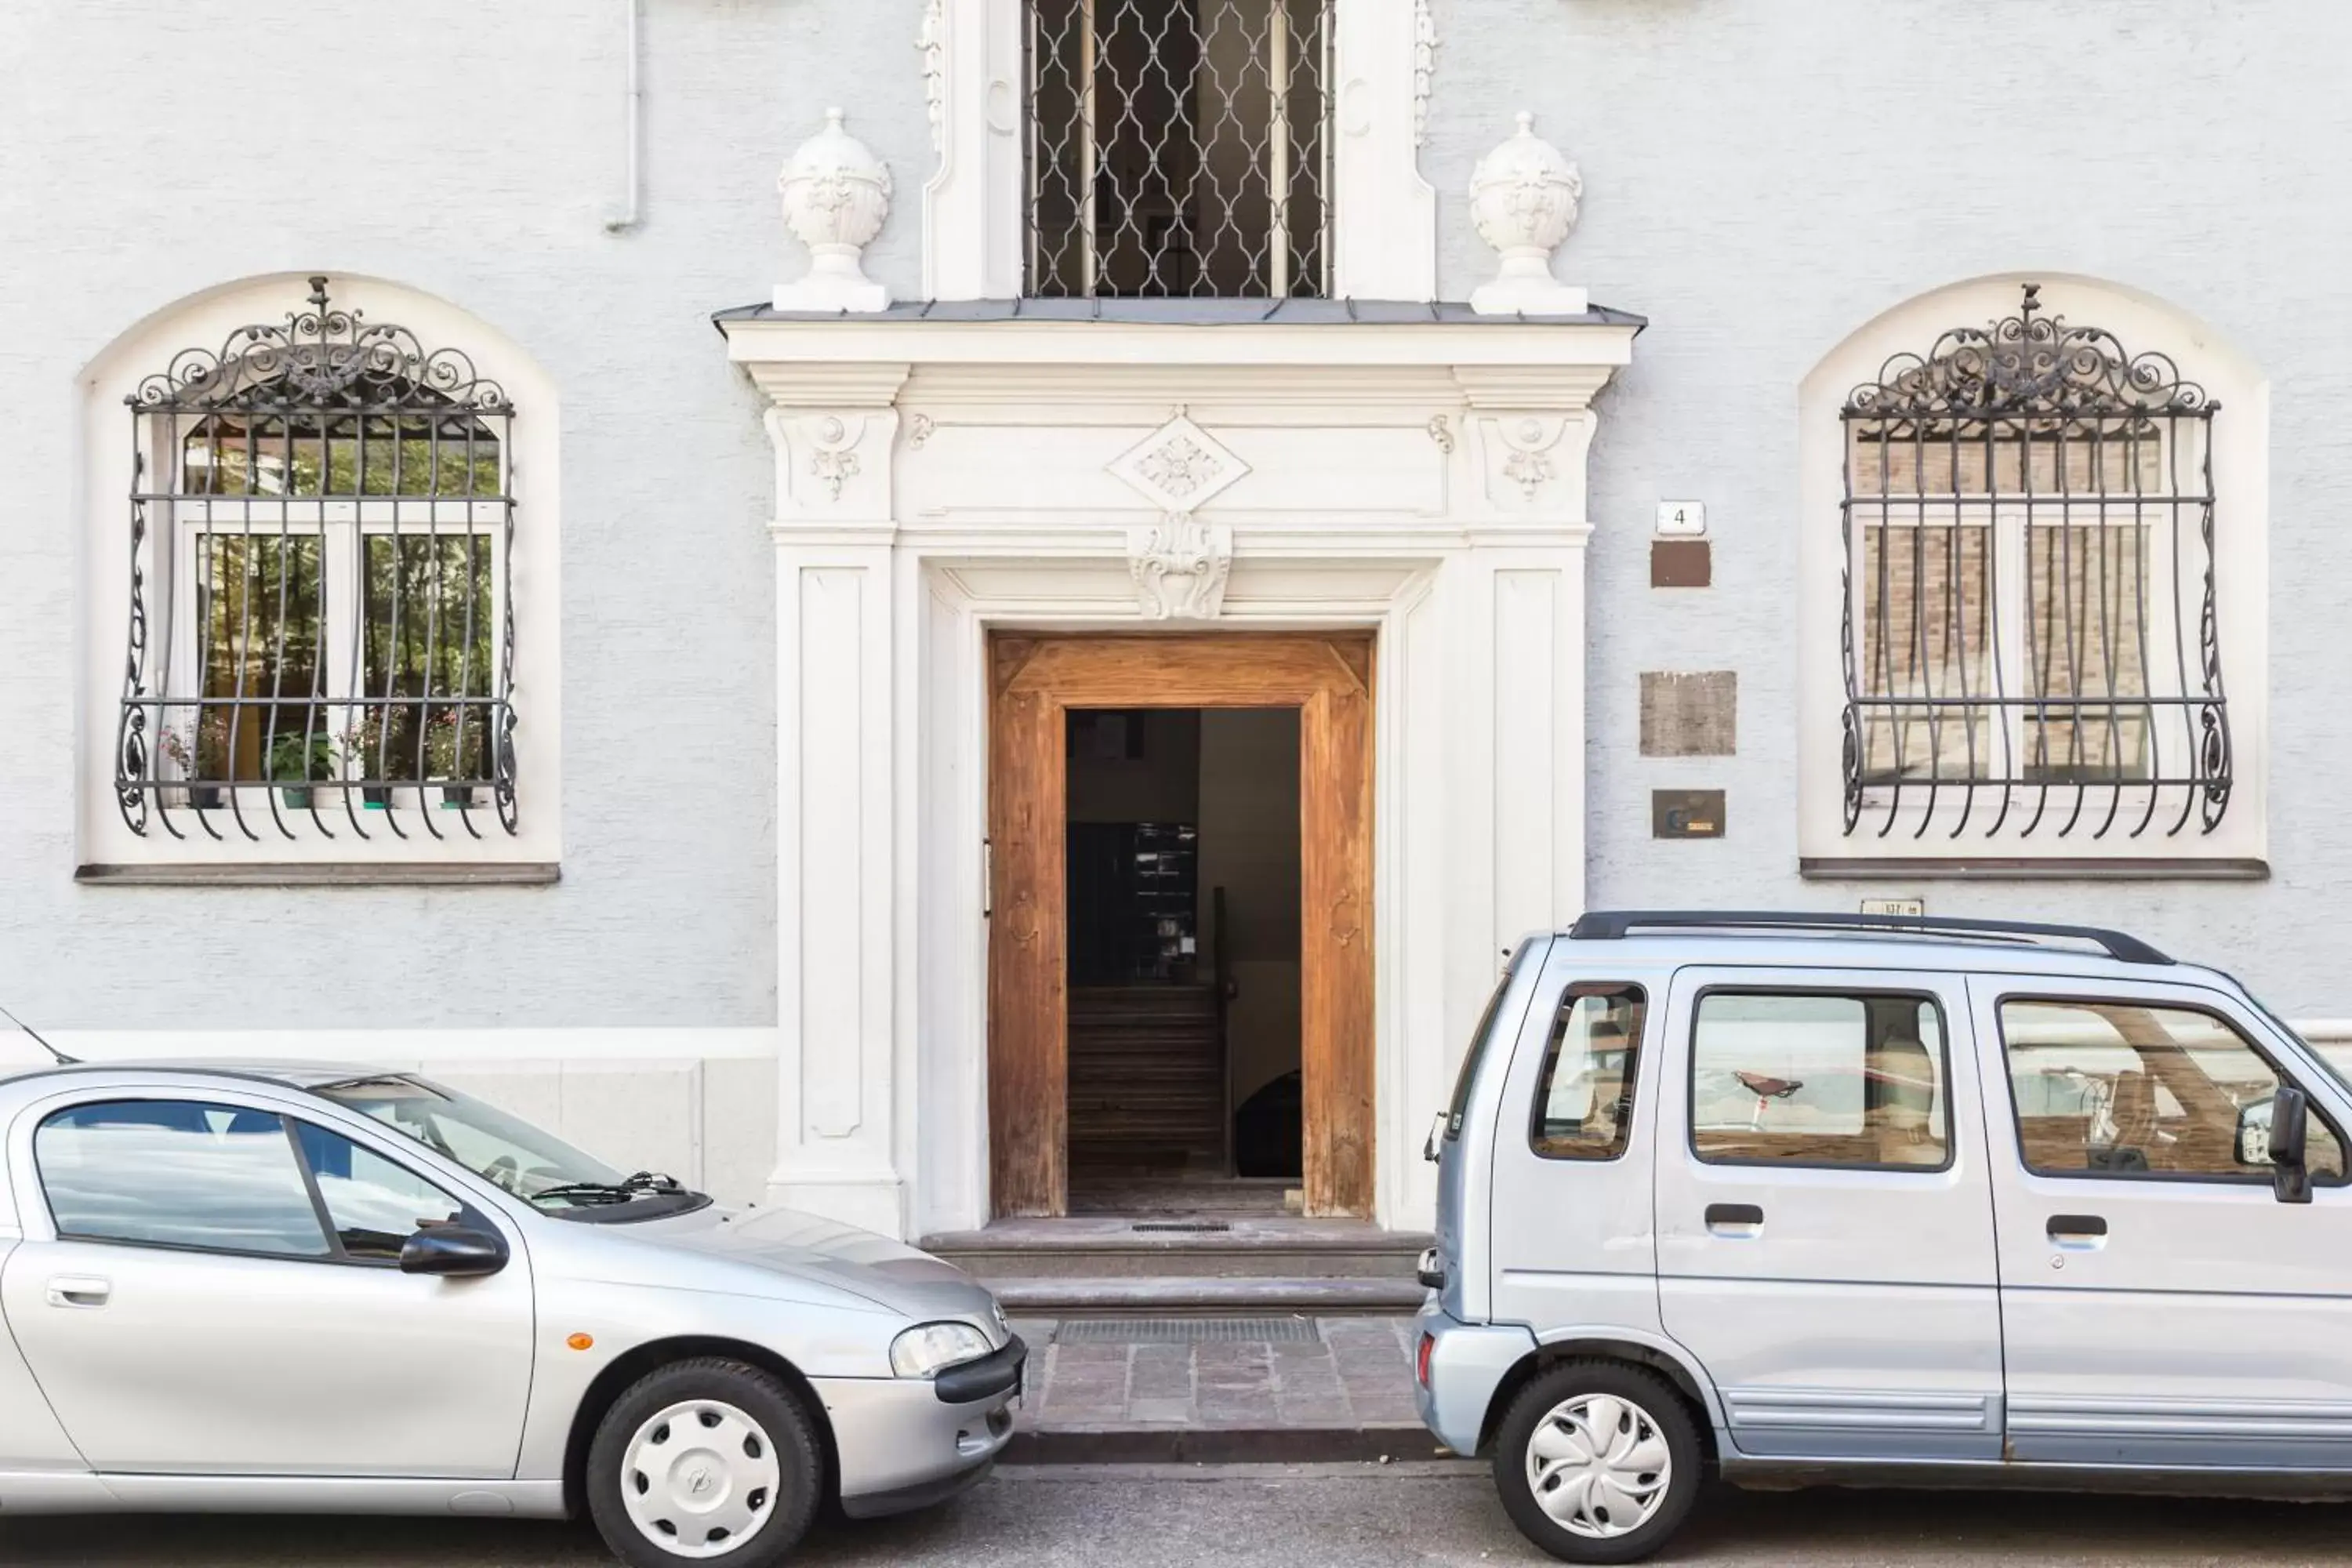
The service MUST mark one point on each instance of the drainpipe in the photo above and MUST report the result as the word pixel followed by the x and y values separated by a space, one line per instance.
pixel 628 217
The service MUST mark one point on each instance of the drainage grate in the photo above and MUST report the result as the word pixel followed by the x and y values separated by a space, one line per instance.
pixel 1186 1330
pixel 1209 1225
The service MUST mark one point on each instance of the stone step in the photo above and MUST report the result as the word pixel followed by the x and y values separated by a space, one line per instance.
pixel 1236 1249
pixel 1176 1295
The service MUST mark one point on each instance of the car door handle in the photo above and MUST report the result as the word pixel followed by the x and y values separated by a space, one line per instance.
pixel 2085 1231
pixel 1734 1219
pixel 80 1290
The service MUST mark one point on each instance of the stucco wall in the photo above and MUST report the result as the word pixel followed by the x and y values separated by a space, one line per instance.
pixel 150 152
pixel 1762 178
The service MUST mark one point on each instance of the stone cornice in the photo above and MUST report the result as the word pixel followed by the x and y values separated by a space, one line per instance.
pixel 835 382
pixel 848 362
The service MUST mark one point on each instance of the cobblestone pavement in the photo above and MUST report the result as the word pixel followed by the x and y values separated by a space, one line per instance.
pixel 1352 1372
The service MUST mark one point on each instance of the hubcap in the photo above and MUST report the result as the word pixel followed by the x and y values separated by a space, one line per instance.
pixel 700 1479
pixel 1599 1465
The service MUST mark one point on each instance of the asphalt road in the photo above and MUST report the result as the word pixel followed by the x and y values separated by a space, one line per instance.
pixel 1352 1515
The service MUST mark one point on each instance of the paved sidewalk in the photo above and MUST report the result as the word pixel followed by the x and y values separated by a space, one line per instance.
pixel 1324 1387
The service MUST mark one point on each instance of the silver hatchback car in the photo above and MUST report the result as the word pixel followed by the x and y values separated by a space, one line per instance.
pixel 315 1289
pixel 1820 1197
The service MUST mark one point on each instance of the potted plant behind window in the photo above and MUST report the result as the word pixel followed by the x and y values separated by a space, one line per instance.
pixel 363 750
pixel 198 747
pixel 296 759
pixel 453 754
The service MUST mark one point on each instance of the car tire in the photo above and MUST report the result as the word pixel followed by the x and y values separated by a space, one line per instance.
pixel 705 1461
pixel 1588 1440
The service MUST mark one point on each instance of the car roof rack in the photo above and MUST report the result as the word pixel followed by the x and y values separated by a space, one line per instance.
pixel 1611 925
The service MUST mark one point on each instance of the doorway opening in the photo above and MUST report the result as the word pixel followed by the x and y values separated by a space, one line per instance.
pixel 1184 876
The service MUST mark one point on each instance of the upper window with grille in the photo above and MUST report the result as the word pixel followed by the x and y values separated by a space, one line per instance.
pixel 1179 148
pixel 2031 632
pixel 322 636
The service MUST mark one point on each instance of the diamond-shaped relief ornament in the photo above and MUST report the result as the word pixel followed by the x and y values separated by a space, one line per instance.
pixel 1179 466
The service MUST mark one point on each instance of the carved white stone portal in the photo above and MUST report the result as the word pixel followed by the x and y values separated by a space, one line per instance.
pixel 1523 197
pixel 836 193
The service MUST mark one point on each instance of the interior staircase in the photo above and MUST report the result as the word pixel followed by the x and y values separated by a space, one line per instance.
pixel 1147 1080
pixel 1172 1266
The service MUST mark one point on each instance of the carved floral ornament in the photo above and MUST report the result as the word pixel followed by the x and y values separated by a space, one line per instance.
pixel 1179 563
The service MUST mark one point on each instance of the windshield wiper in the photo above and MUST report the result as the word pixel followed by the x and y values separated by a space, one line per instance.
pixel 625 1190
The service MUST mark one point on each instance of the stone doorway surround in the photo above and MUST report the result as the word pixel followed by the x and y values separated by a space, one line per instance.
pixel 944 471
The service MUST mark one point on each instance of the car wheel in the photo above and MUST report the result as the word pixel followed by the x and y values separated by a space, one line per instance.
pixel 707 1460
pixel 1597 1461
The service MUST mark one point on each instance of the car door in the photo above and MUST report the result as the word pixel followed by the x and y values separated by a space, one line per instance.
pixel 207 1284
pixel 1823 1214
pixel 2159 1304
pixel 1571 1219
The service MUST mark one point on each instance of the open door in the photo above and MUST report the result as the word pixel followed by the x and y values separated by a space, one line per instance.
pixel 1036 681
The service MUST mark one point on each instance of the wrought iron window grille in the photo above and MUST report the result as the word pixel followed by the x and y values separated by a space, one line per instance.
pixel 2029 634
pixel 1179 148
pixel 321 632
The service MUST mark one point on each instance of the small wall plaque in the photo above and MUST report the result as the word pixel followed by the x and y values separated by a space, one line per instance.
pixel 1910 908
pixel 1681 563
pixel 1685 814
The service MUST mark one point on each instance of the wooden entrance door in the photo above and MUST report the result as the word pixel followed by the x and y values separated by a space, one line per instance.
pixel 1034 682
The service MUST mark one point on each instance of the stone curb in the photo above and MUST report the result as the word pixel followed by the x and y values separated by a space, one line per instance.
pixel 1171 1444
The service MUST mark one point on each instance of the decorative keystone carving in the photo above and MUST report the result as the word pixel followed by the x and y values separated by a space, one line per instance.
pixel 1179 565
pixel 1524 198
pixel 1180 467
pixel 835 195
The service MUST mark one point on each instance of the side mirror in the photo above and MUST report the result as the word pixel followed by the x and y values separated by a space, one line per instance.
pixel 452 1251
pixel 2290 1122
pixel 1429 1150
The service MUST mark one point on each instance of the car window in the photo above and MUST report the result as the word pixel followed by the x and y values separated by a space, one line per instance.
pixel 177 1172
pixel 374 1203
pixel 1584 1098
pixel 2125 1088
pixel 1468 1076
pixel 1814 1079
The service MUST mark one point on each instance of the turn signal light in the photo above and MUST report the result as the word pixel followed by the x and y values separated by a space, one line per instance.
pixel 583 1341
pixel 1420 1361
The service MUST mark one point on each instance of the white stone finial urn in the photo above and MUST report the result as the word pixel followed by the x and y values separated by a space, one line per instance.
pixel 1523 196
pixel 836 192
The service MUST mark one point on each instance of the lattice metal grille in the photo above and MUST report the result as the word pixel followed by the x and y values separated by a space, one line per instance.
pixel 1180 147
pixel 1187 1330
pixel 2031 636
pixel 322 634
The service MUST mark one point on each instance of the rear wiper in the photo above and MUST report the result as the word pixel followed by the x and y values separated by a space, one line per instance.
pixel 620 1192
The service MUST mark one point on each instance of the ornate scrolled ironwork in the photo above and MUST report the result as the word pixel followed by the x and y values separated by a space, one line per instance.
pixel 2014 484
pixel 246 460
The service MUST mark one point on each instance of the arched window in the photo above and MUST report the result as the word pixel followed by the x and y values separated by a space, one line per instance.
pixel 321 638
pixel 2035 532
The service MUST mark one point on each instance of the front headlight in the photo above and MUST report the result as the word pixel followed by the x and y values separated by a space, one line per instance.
pixel 927 1347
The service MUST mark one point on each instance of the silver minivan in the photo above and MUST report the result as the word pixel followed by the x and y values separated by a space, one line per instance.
pixel 1825 1197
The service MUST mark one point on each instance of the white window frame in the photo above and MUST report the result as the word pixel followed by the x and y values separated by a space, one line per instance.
pixel 108 850
pixel 1920 844
pixel 1384 214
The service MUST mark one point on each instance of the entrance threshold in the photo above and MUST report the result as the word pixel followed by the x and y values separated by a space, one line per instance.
pixel 1141 1265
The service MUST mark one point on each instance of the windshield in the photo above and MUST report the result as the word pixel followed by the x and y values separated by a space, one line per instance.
pixel 503 1149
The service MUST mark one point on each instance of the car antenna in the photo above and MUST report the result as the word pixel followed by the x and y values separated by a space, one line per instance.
pixel 63 1060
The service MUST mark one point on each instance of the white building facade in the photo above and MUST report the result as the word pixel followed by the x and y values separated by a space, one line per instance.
pixel 429 642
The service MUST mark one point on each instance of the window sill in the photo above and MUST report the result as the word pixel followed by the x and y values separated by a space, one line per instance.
pixel 325 873
pixel 2028 868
